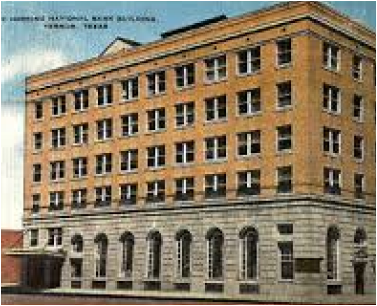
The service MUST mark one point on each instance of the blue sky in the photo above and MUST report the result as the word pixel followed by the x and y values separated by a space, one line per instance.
pixel 28 49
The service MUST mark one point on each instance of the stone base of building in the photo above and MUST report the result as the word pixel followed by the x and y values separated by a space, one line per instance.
pixel 310 220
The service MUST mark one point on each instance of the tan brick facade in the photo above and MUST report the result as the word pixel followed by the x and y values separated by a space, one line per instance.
pixel 309 26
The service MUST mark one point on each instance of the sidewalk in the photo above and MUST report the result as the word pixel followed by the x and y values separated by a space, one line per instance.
pixel 190 296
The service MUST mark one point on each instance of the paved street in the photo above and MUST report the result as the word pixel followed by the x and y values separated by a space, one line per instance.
pixel 42 299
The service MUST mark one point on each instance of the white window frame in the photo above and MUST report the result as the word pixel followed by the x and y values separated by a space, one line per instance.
pixel 156 155
pixel 60 136
pixel 185 188
pixel 360 108
pixel 288 259
pixel 330 101
pixel 214 184
pixel 128 191
pixel 250 180
pixel 337 263
pixel 215 101
pixel 156 116
pixel 82 133
pixel 128 89
pixel 156 188
pixel 185 75
pixel 330 137
pixel 105 195
pixel 249 61
pixel 361 148
pixel 36 202
pixel 38 143
pixel 79 196
pixel 37 173
pixel 57 170
pixel 81 96
pixel 279 53
pixel 362 186
pixel 60 104
pixel 82 167
pixel 38 105
pixel 102 162
pixel 359 68
pixel 332 178
pixel 179 258
pixel 250 140
pixel 216 68
pixel 128 157
pixel 123 252
pixel 150 259
pixel 250 100
pixel 328 54
pixel 33 237
pixel 56 234
pixel 185 152
pixel 186 113
pixel 56 200
pixel 107 95
pixel 216 148
pixel 244 259
pixel 130 124
pixel 104 129
pixel 284 137
pixel 156 75
pixel 280 96
pixel 282 179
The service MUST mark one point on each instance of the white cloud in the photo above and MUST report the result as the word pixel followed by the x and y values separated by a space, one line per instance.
pixel 31 62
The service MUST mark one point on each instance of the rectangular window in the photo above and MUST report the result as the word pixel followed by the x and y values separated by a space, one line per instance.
pixel 58 106
pixel 249 61
pixel 37 173
pixel 331 99
pixel 130 89
pixel 358 147
pixel 185 152
pixel 284 52
pixel 284 138
pixel 184 114
pixel 156 156
pixel 249 143
pixel 185 75
pixel 216 108
pixel 155 191
pixel 357 68
pixel 104 129
pixel 103 196
pixel 36 203
pixel 331 56
pixel 358 108
pixel 81 102
pixel 128 160
pixel 55 237
pixel 128 194
pixel 284 94
pixel 331 140
pixel 332 181
pixel 57 170
pixel 58 138
pixel 215 69
pixel 130 124
pixel 56 200
pixel 249 101
pixel 80 165
pixel 156 119
pixel 38 110
pixel 80 133
pixel 34 233
pixel 215 148
pixel 215 185
pixel 156 83
pixel 286 260
pixel 79 198
pixel 38 141
pixel 184 189
pixel 284 179
pixel 248 182
pixel 104 95
pixel 103 163
pixel 359 188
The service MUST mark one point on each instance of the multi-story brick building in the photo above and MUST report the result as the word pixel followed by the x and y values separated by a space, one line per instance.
pixel 234 156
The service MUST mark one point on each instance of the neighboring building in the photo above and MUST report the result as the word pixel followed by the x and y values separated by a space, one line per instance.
pixel 10 266
pixel 235 156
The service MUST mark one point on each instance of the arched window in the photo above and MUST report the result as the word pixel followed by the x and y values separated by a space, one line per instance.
pixel 248 253
pixel 127 253
pixel 333 253
pixel 154 242
pixel 183 239
pixel 215 242
pixel 100 255
pixel 77 243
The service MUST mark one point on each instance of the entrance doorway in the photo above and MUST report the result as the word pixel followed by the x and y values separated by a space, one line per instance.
pixel 359 277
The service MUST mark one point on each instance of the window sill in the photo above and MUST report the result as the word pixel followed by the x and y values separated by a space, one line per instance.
pixel 79 111
pixel 185 88
pixel 97 175
pixel 184 127
pixel 247 157
pixel 213 82
pixel 37 152
pixel 103 140
pixel 156 168
pixel 217 161
pixel 359 160
pixel 128 136
pixel 156 95
pixel 81 178
pixel 38 120
pixel 247 74
pixel 58 181
pixel 287 281
pixel 358 80
pixel 58 116
pixel 358 121
pixel 332 113
pixel 249 115
pixel 61 148
pixel 155 132
pixel 281 109
pixel 248 281
pixel 331 155
pixel 284 66
pixel 332 70
pixel 215 121
pixel 214 281
pixel 126 172
pixel 77 145
pixel 284 152
pixel 125 101
pixel 104 106
pixel 184 165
